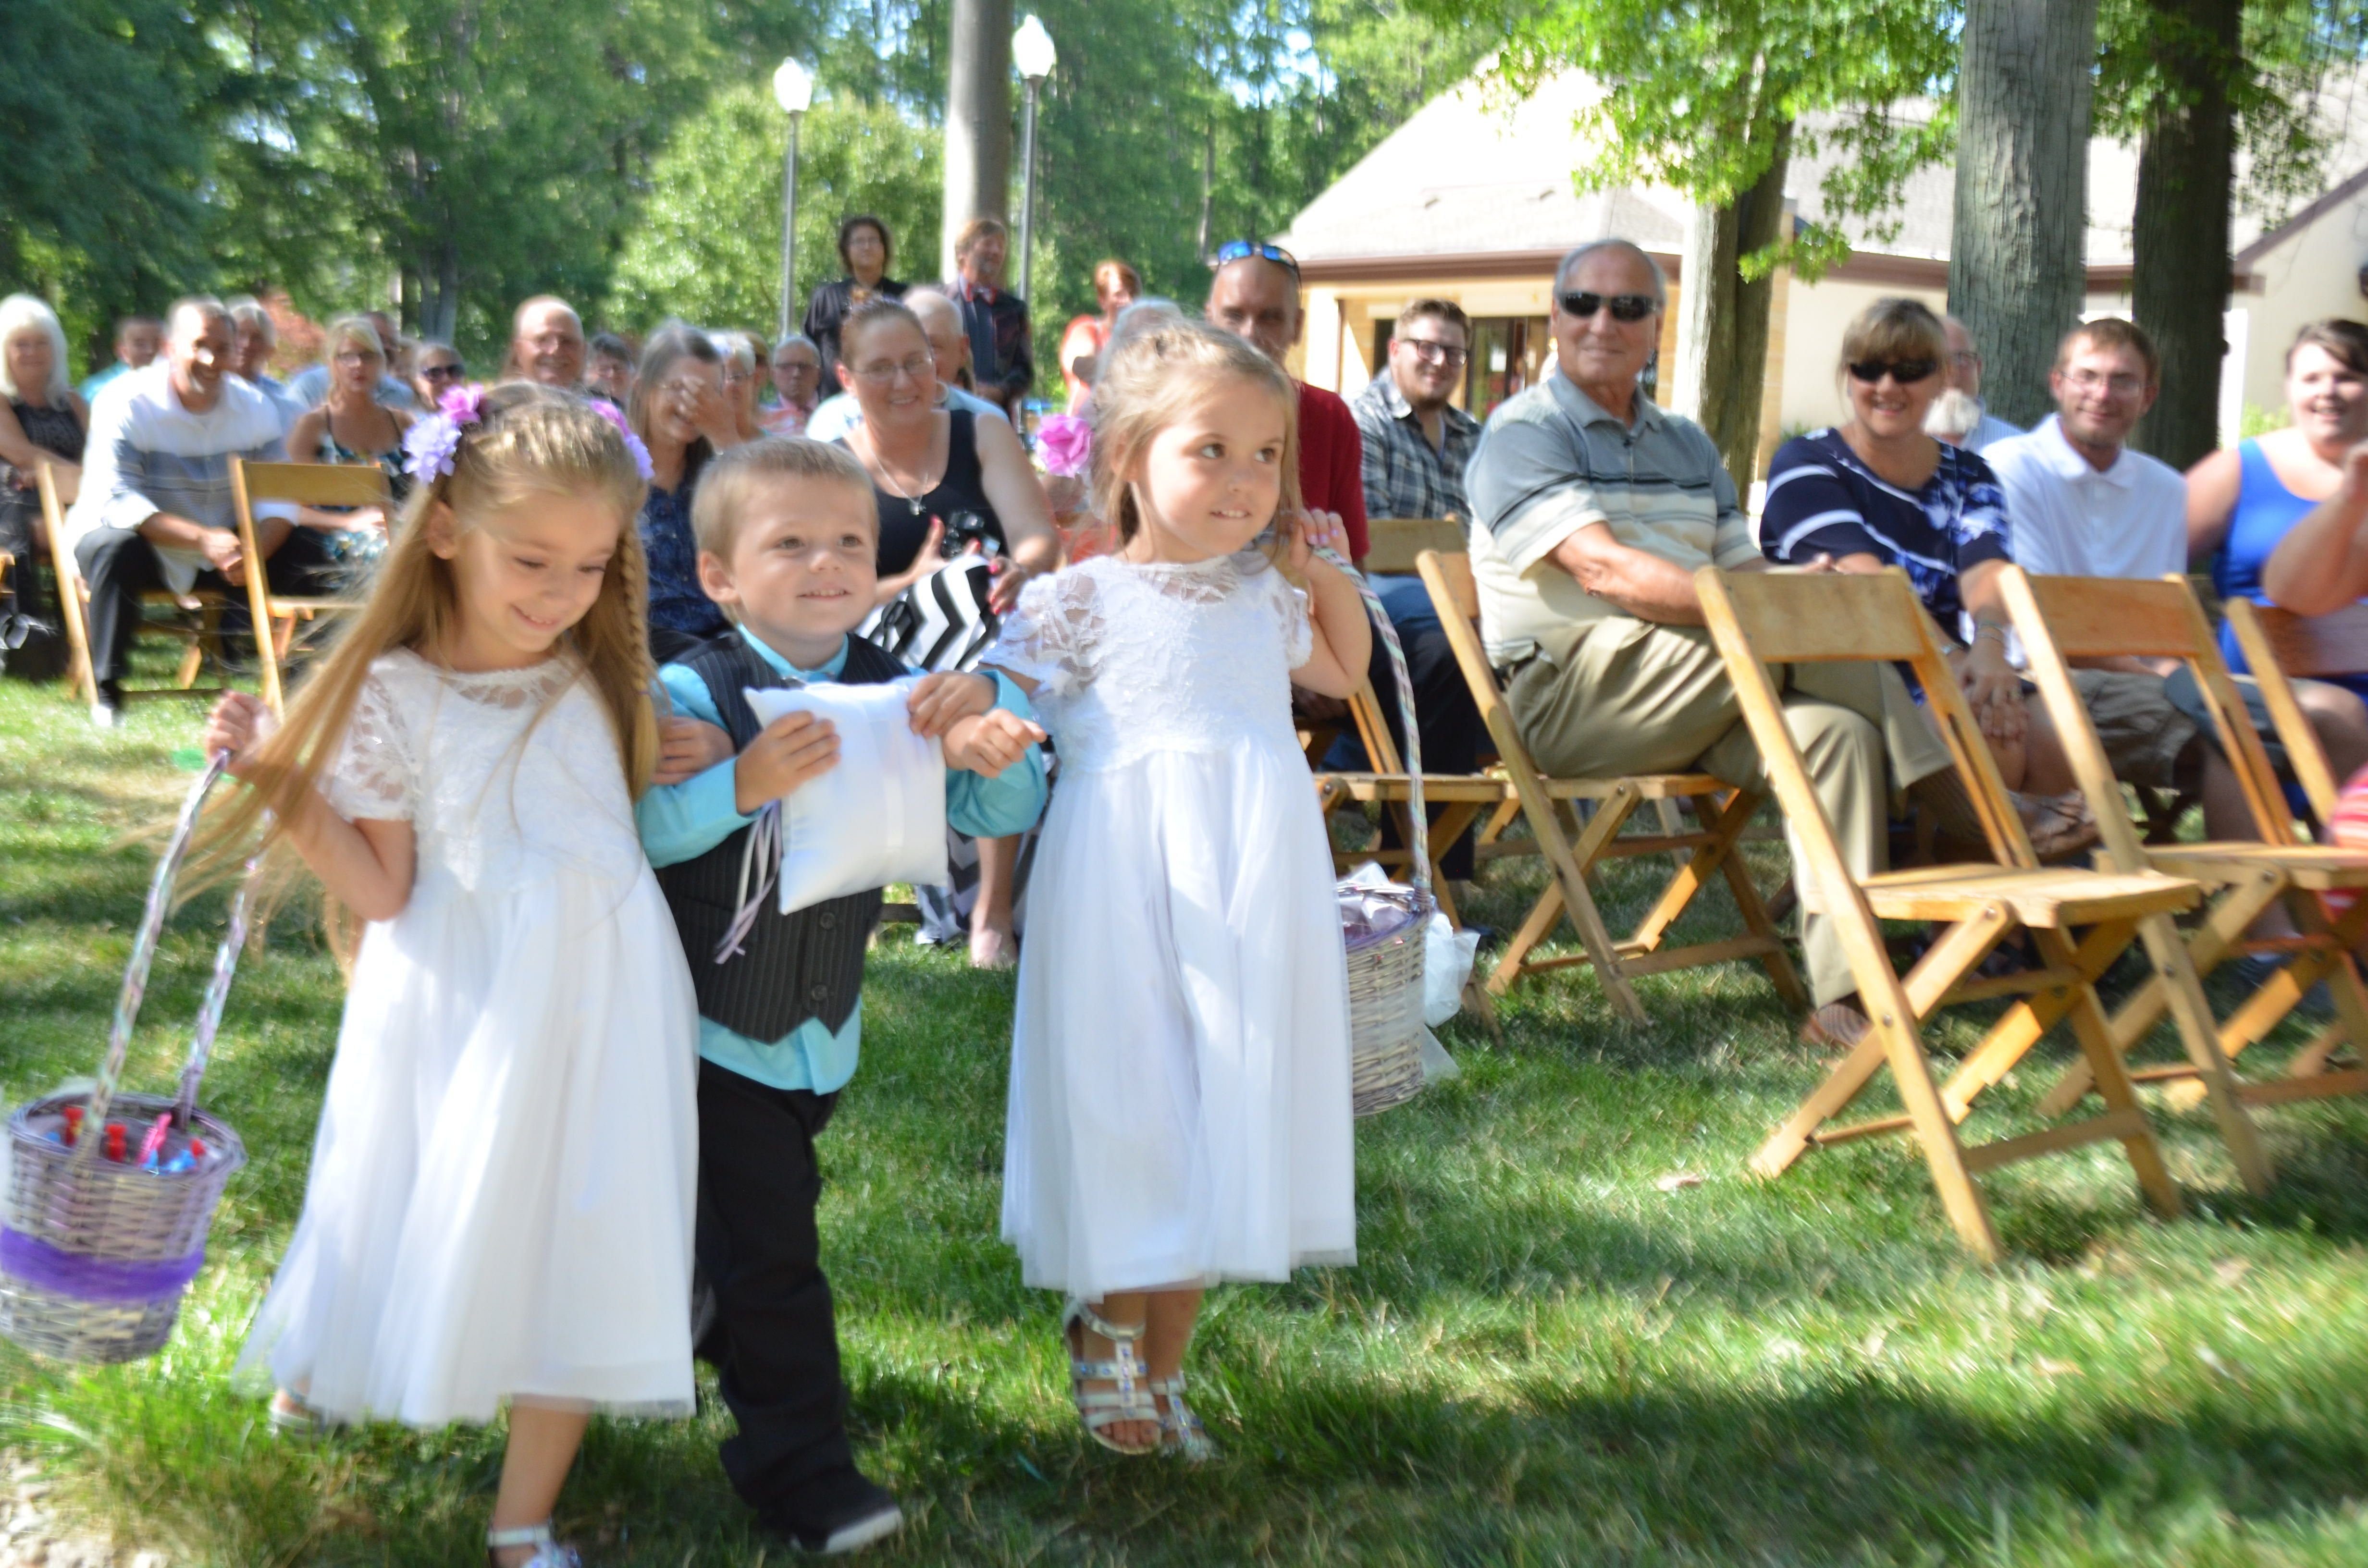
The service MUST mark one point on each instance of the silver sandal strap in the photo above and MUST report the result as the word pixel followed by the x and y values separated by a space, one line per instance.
pixel 521 1534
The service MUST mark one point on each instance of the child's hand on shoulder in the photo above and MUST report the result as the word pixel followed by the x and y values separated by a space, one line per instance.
pixel 792 749
pixel 240 723
pixel 688 748
pixel 990 741
pixel 943 700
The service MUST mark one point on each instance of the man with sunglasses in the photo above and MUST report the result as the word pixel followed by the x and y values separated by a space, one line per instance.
pixel 1592 508
pixel 1253 294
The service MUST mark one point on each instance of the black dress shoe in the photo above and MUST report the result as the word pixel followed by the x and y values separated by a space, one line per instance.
pixel 836 1512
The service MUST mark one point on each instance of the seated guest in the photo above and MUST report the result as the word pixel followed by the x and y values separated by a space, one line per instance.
pixel 1116 286
pixel 2244 503
pixel 609 369
pixel 867 252
pixel 1255 295
pixel 743 353
pixel 796 370
pixel 1965 375
pixel 1879 492
pixel 155 510
pixel 435 370
pixel 1591 510
pixel 677 396
pixel 546 344
pixel 309 387
pixel 1953 417
pixel 43 419
pixel 1415 445
pixel 137 339
pixel 949 356
pixel 351 426
pixel 254 337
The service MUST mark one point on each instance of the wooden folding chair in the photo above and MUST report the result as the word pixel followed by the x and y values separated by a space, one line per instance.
pixel 2063 619
pixel 1782 617
pixel 301 484
pixel 1393 545
pixel 1574 853
pixel 197 638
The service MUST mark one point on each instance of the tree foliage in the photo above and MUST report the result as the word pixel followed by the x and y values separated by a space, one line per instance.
pixel 708 245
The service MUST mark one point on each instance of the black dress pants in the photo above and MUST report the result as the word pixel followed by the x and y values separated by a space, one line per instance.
pixel 120 565
pixel 774 1339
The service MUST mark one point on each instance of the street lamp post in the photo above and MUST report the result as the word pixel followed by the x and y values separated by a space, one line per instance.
pixel 1031 50
pixel 793 90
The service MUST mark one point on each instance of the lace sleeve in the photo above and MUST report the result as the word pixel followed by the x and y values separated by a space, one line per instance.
pixel 1291 615
pixel 1051 635
pixel 374 775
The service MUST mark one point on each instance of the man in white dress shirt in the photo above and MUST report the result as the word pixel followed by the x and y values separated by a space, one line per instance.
pixel 2081 503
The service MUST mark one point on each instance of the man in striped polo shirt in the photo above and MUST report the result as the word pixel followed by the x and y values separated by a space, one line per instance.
pixel 1593 510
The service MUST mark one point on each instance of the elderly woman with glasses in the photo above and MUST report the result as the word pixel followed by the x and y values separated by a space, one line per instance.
pixel 1878 492
pixel 677 399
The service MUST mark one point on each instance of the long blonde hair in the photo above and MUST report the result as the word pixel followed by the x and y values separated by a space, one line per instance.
pixel 1147 385
pixel 531 439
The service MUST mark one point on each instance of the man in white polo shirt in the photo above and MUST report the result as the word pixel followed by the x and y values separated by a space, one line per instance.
pixel 2081 503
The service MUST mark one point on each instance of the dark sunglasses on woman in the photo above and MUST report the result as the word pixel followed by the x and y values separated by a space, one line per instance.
pixel 1624 307
pixel 1907 372
pixel 442 372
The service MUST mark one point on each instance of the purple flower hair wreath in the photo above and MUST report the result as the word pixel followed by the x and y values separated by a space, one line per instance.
pixel 634 444
pixel 431 444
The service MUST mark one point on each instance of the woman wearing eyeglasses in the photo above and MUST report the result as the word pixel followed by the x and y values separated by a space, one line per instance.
pixel 949 484
pixel 867 251
pixel 1878 492
pixel 678 396
pixel 353 426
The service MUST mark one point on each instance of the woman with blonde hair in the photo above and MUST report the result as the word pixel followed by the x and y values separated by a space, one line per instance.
pixel 43 419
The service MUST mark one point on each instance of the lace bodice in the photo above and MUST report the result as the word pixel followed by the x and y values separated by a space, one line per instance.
pixel 500 773
pixel 1132 659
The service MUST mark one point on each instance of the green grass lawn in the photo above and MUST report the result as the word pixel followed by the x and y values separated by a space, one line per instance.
pixel 1544 1358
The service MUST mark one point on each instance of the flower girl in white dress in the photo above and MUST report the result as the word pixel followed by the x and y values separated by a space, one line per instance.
pixel 1179 1107
pixel 500 1203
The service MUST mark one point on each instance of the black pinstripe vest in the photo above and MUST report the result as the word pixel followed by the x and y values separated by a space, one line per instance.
pixel 807 964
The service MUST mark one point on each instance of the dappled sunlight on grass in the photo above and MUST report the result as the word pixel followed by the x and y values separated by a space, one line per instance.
pixel 1542 1357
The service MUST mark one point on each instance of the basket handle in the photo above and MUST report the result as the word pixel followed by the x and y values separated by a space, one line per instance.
pixel 1417 815
pixel 144 955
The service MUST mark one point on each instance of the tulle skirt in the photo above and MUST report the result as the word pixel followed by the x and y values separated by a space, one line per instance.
pixel 1179 1109
pixel 502 1187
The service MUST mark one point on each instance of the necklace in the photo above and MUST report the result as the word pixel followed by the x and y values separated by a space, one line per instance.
pixel 925 484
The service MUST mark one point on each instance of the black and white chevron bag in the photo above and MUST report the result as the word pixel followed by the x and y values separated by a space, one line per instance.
pixel 941 622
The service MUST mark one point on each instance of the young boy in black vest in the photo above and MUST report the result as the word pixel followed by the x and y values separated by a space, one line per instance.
pixel 787 531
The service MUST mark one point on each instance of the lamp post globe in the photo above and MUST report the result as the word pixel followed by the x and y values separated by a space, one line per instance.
pixel 1032 52
pixel 793 90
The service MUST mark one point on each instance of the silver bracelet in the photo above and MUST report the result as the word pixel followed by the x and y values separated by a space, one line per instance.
pixel 1984 629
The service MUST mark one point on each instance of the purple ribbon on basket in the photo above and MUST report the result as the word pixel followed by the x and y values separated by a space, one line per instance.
pixel 46 1267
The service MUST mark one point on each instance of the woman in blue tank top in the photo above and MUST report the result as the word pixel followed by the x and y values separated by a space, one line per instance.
pixel 2242 504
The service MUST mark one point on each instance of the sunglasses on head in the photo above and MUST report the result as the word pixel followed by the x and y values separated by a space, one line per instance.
pixel 1904 371
pixel 1582 306
pixel 1242 250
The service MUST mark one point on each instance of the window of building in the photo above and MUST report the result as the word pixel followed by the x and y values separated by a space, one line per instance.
pixel 1508 353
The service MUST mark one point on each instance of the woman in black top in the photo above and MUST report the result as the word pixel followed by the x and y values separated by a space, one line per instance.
pixel 945 483
pixel 866 251
pixel 41 420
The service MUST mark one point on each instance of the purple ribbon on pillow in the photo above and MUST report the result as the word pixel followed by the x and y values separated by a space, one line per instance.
pixel 37 1262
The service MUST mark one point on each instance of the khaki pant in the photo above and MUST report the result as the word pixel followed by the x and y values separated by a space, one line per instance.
pixel 2147 739
pixel 1622 695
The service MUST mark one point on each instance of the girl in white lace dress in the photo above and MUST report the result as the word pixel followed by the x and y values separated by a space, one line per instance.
pixel 500 1203
pixel 1180 1107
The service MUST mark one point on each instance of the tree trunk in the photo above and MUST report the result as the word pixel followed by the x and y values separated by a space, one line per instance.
pixel 1722 320
pixel 2018 266
pixel 978 119
pixel 2186 171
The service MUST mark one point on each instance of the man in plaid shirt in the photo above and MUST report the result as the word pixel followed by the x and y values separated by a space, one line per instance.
pixel 1416 444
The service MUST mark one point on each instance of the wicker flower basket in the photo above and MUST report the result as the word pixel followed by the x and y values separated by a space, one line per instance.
pixel 1384 929
pixel 96 1252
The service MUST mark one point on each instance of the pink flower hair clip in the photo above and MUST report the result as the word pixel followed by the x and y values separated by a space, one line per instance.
pixel 431 445
pixel 634 444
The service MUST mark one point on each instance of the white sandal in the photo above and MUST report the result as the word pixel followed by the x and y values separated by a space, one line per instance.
pixel 1181 1436
pixel 1101 1408
pixel 548 1552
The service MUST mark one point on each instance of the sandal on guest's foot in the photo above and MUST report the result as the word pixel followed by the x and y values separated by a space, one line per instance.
pixel 548 1553
pixel 992 946
pixel 1181 1436
pixel 1837 1025
pixel 1129 1400
pixel 2057 824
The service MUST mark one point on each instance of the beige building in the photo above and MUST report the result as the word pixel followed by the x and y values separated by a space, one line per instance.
pixel 1472 200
